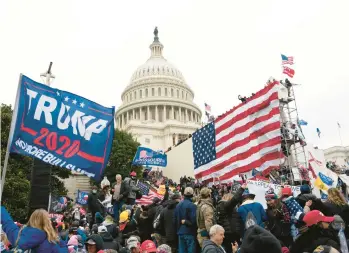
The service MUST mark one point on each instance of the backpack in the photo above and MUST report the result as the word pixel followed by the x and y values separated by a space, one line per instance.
pixel 250 220
pixel 156 222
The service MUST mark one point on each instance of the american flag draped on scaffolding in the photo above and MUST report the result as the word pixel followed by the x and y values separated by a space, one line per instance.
pixel 245 138
pixel 148 194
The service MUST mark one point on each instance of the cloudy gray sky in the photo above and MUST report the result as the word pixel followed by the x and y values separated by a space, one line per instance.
pixel 223 48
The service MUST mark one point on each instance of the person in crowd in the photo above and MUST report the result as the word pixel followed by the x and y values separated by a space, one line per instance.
pixel 214 244
pixel 259 240
pixel 185 222
pixel 305 195
pixel 148 246
pixel 279 220
pixel 133 245
pixel 111 226
pixel 105 197
pixel 118 199
pixel 99 219
pixel 229 218
pixel 166 222
pixel 164 248
pixel 249 206
pixel 127 227
pixel 108 240
pixel 94 244
pixel 93 204
pixel 38 234
pixel 336 204
pixel 319 232
pixel 145 225
pixel 204 215
pixel 325 249
pixel 130 189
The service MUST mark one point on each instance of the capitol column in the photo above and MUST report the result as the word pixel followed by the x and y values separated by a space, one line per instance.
pixel 173 116
pixel 148 113
pixel 192 116
pixel 164 116
pixel 121 121
pixel 156 114
pixel 127 117
pixel 180 113
pixel 186 114
pixel 133 113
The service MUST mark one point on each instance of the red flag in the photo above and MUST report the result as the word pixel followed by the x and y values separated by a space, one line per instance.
pixel 288 71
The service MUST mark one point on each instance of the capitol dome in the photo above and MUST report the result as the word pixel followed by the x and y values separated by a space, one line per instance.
pixel 157 105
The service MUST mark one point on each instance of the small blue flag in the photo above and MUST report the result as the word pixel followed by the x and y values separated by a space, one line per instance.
pixel 302 122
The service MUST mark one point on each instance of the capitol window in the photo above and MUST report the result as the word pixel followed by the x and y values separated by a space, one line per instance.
pixel 135 95
pixel 146 92
pixel 165 91
pixel 153 92
pixel 178 93
pixel 140 93
pixel 171 92
pixel 159 91
pixel 182 94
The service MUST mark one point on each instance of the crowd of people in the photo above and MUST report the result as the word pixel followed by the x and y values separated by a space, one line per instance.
pixel 189 218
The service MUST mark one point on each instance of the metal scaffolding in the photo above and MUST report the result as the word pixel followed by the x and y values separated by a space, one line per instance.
pixel 294 166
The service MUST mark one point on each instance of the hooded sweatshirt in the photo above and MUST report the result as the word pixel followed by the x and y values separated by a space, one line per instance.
pixel 30 238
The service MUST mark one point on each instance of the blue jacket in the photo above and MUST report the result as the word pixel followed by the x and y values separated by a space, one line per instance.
pixel 185 210
pixel 257 210
pixel 30 238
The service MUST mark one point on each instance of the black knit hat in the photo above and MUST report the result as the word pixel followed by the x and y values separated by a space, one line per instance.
pixel 257 240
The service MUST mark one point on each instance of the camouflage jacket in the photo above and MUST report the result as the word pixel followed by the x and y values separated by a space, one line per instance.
pixel 205 214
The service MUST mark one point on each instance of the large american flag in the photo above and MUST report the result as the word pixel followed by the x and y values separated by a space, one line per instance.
pixel 148 194
pixel 245 138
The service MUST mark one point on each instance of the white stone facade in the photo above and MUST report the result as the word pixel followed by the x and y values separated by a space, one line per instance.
pixel 157 105
pixel 338 154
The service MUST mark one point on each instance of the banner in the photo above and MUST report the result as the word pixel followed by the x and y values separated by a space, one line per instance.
pixel 147 156
pixel 259 188
pixel 82 197
pixel 62 129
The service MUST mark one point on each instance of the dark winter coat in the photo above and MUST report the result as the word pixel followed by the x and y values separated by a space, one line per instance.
pixel 166 221
pixel 185 210
pixel 93 203
pixel 227 214
pixel 303 198
pixel 109 242
pixel 210 247
pixel 314 237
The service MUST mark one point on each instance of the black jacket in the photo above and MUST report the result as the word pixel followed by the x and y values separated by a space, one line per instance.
pixel 314 237
pixel 227 214
pixel 166 221
pixel 303 198
pixel 109 242
pixel 93 203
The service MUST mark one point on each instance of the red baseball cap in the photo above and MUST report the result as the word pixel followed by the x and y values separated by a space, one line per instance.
pixel 286 191
pixel 315 216
pixel 148 246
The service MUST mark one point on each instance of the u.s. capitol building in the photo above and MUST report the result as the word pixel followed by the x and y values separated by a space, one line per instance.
pixel 157 105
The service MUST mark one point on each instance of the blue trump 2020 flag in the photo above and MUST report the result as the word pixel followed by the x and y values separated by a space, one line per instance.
pixel 62 129
pixel 147 156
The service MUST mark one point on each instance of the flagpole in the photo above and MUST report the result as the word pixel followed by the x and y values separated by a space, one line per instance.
pixel 10 137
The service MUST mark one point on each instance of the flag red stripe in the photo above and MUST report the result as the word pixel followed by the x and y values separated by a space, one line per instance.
pixel 249 112
pixel 257 95
pixel 243 169
pixel 247 140
pixel 240 156
pixel 249 125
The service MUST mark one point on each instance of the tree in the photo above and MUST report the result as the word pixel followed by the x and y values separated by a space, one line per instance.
pixel 17 184
pixel 120 161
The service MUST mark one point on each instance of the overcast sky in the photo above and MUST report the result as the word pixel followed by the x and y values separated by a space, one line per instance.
pixel 223 49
